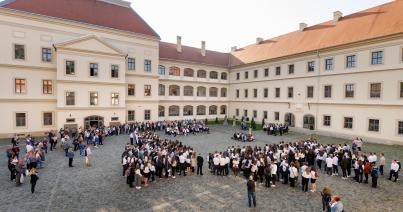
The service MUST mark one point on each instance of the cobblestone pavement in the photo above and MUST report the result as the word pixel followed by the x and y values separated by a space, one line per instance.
pixel 102 188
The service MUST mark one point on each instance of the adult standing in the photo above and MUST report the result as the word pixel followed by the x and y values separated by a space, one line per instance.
pixel 251 191
pixel 70 155
pixel 34 179
pixel 374 175
pixel 200 161
pixel 382 163
pixel 88 155
pixel 394 170
pixel 326 198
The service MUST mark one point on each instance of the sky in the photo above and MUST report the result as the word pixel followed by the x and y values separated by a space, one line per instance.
pixel 226 23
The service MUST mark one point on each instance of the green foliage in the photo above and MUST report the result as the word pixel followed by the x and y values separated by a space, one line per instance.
pixel 253 124
pixel 216 120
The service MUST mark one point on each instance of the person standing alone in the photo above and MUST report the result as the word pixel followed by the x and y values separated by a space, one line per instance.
pixel 200 161
pixel 70 155
pixel 251 191
pixel 34 179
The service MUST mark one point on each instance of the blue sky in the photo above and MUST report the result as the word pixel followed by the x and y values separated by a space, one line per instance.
pixel 226 23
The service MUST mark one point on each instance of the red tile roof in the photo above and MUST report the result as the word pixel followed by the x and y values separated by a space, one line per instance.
pixel 87 11
pixel 383 20
pixel 191 54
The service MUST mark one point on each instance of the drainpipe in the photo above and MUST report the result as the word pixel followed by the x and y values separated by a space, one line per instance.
pixel 317 89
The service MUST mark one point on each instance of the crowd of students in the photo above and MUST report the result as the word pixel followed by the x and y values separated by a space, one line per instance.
pixel 275 129
pixel 244 137
pixel 149 157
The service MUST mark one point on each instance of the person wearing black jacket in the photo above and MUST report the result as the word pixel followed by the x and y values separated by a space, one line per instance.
pixel 34 179
pixel 200 161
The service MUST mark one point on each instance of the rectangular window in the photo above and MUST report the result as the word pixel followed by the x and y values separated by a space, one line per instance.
pixel 375 90
pixel 309 92
pixel 131 64
pixel 93 98
pixel 70 67
pixel 277 92
pixel 311 66
pixel 115 98
pixel 114 118
pixel 254 93
pixel 373 125
pixel 400 128
pixel 147 90
pixel 20 86
pixel 245 113
pixel 238 76
pixel 114 71
pixel 19 52
pixel 48 119
pixel 276 116
pixel 329 64
pixel 236 112
pixel 348 122
pixel 130 115
pixel 290 92
pixel 47 87
pixel 255 114
pixel 237 93
pixel 291 69
pixel 131 89
pixel 255 73
pixel 147 65
pixel 70 98
pixel 93 69
pixel 350 61
pixel 161 70
pixel 401 89
pixel 377 57
pixel 278 70
pixel 327 91
pixel 246 93
pixel 265 114
pixel 246 74
pixel 46 55
pixel 20 119
pixel 266 72
pixel 266 93
pixel 349 90
pixel 326 120
pixel 161 90
pixel 147 114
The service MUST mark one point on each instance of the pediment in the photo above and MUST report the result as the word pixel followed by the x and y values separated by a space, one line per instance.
pixel 91 44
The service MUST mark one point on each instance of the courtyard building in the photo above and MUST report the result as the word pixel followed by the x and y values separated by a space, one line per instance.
pixel 97 62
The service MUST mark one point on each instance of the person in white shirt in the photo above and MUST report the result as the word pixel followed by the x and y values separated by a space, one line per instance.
pixel 216 162
pixel 293 174
pixel 335 164
pixel 88 155
pixel 182 167
pixel 329 164
pixel 273 168
pixel 314 177
pixel 394 170
pixel 306 175
pixel 382 163
pixel 131 138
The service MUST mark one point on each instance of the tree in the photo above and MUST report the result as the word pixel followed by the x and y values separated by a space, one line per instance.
pixel 216 120
pixel 253 124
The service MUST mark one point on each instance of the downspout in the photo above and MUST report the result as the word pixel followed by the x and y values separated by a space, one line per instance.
pixel 318 89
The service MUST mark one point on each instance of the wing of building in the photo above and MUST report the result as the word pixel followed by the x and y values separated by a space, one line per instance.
pixel 97 62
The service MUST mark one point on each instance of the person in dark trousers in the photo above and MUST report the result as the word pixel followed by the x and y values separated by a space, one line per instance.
pixel 374 176
pixel 70 155
pixel 200 161
pixel 251 191
pixel 34 179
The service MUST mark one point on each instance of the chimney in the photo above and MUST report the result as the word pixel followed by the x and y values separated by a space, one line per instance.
pixel 233 49
pixel 203 48
pixel 259 40
pixel 179 43
pixel 337 15
pixel 302 26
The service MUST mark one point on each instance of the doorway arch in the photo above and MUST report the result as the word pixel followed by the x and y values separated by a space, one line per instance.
pixel 309 122
pixel 289 119
pixel 94 121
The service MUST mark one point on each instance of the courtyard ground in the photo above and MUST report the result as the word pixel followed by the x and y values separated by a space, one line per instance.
pixel 102 188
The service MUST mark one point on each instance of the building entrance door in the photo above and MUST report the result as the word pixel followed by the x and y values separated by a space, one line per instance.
pixel 309 122
pixel 94 121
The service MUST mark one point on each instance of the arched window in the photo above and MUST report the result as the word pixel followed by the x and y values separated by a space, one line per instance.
pixel 188 72
pixel 213 75
pixel 223 76
pixel 212 110
pixel 174 110
pixel 223 109
pixel 309 122
pixel 223 92
pixel 201 91
pixel 174 71
pixel 174 90
pixel 161 111
pixel 188 91
pixel 201 74
pixel 161 90
pixel 188 110
pixel 201 110
pixel 213 92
